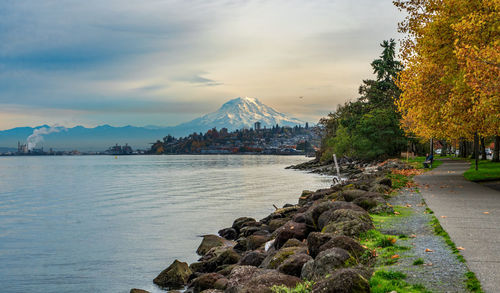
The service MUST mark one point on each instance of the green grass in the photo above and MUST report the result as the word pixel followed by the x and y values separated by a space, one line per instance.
pixel 417 162
pixel 472 283
pixel 398 180
pixel 418 261
pixel 384 245
pixel 304 287
pixel 388 281
pixel 378 219
pixel 487 170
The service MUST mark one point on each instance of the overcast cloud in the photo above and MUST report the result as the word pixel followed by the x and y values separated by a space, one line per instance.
pixel 145 62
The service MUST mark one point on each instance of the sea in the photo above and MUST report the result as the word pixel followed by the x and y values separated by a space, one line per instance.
pixel 109 224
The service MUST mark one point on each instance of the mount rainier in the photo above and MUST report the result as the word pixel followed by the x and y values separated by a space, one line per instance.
pixel 235 114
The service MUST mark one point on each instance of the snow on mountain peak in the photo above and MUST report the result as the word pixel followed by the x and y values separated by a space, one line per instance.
pixel 241 112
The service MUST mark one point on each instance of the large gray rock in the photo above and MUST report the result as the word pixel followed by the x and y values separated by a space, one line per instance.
pixel 288 231
pixel 343 281
pixel 252 258
pixel 243 222
pixel 204 282
pixel 313 214
pixel 346 222
pixel 209 242
pixel 318 242
pixel 325 263
pixel 175 276
pixel 293 264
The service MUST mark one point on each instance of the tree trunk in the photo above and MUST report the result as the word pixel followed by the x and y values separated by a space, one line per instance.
pixel 483 149
pixel 461 149
pixel 476 149
pixel 496 150
pixel 444 148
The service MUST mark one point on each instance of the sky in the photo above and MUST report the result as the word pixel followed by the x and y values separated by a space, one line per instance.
pixel 163 62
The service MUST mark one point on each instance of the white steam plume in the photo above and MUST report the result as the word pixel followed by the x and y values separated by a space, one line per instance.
pixel 38 134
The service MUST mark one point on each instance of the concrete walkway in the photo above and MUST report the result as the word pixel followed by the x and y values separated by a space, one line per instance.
pixel 470 213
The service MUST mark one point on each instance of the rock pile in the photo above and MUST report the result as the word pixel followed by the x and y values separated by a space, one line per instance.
pixel 315 240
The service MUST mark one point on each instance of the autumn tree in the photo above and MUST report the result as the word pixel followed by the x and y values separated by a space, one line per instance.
pixel 450 84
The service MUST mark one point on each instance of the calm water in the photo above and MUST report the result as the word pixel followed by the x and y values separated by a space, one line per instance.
pixel 100 224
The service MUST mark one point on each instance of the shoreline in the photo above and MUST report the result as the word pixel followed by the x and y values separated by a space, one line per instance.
pixel 272 251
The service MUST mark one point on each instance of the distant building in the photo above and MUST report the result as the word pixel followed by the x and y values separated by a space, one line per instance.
pixel 257 126
pixel 22 148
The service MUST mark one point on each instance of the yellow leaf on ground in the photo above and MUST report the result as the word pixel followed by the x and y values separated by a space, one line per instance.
pixel 460 248
pixel 429 250
pixel 486 213
pixel 395 256
pixel 443 217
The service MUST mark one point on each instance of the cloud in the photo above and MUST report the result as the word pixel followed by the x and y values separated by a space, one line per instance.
pixel 137 59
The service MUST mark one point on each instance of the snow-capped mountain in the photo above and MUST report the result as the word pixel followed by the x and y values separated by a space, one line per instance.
pixel 235 114
pixel 240 113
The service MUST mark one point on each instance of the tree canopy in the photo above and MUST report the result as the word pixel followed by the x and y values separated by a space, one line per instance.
pixel 368 127
pixel 451 80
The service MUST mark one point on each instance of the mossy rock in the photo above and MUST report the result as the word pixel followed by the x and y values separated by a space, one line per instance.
pixel 325 263
pixel 209 242
pixel 274 260
pixel 175 276
pixel 343 280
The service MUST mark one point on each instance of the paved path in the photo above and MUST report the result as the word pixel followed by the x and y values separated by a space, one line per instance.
pixel 470 213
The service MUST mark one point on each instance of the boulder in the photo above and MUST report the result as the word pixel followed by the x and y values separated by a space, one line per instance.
pixel 228 233
pixel 315 240
pixel 241 244
pixel 274 224
pixel 240 275
pixel 262 283
pixel 343 281
pixel 380 188
pixel 256 241
pixel 366 202
pixel 242 222
pixel 205 281
pixel 313 213
pixel 348 223
pixel 350 195
pixel 252 258
pixel 347 243
pixel 339 215
pixel 221 283
pixel 138 291
pixel 209 242
pixel 293 264
pixel 385 181
pixel 293 242
pixel 290 230
pixel 325 263
pixel 274 259
pixel 175 276
pixel 211 291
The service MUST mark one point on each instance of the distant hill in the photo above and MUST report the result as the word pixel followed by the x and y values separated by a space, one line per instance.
pixel 235 114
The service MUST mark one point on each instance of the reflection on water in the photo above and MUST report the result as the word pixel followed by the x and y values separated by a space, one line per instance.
pixel 100 224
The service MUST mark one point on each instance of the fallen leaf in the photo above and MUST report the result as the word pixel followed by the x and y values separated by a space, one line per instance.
pixel 460 248
pixel 408 205
pixel 395 256
pixel 428 264
pixel 443 217
pixel 364 246
pixel 486 213
pixel 393 240
pixel 413 236
pixel 429 250
pixel 397 213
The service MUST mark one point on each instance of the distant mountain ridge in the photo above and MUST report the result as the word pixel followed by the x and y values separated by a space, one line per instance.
pixel 235 114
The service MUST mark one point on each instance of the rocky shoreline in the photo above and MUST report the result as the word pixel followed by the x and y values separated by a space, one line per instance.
pixel 314 243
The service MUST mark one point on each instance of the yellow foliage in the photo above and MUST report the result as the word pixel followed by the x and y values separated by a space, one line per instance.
pixel 451 81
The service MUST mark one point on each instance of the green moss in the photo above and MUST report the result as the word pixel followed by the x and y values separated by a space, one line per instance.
pixel 388 281
pixel 472 283
pixel 304 287
pixel 400 212
pixel 384 245
pixel 418 261
pixel 280 257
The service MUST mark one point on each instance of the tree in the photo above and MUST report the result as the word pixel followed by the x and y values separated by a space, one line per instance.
pixel 450 84
pixel 369 127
